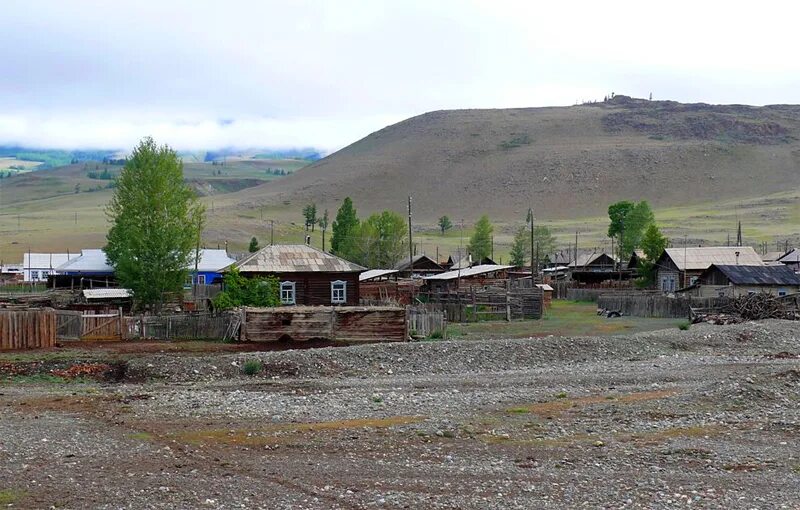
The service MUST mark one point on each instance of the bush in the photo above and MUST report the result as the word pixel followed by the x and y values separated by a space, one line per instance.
pixel 683 326
pixel 252 367
pixel 241 291
pixel 436 335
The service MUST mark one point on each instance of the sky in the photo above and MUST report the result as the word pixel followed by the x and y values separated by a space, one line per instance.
pixel 199 74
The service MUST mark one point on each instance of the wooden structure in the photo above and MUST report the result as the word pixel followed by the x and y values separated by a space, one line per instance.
pixel 682 267
pixel 475 276
pixel 595 268
pixel 337 324
pixel 502 301
pixel 423 265
pixel 90 326
pixel 733 281
pixel 27 329
pixel 656 305
pixel 307 276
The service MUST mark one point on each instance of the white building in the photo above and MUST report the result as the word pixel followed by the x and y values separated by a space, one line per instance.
pixel 37 266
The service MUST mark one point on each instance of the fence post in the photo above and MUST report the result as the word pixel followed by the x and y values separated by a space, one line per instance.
pixel 508 302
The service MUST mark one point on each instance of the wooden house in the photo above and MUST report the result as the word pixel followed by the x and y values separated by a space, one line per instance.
pixel 307 275
pixel 476 275
pixel 681 267
pixel 721 280
pixel 791 259
pixel 422 264
pixel 595 267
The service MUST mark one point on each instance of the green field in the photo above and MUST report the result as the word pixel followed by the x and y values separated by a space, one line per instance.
pixel 563 318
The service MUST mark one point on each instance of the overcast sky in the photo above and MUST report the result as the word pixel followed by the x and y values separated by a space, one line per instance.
pixel 208 74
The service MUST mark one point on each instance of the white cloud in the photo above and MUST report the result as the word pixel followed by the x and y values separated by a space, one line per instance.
pixel 308 72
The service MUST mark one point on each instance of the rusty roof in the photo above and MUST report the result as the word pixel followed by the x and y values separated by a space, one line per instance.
pixel 294 258
pixel 695 258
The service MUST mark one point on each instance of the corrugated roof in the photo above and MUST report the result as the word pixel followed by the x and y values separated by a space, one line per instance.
pixel 587 259
pixel 89 261
pixel 375 273
pixel 295 258
pixel 46 260
pixel 212 260
pixel 793 257
pixel 758 275
pixel 107 293
pixel 470 271
pixel 699 258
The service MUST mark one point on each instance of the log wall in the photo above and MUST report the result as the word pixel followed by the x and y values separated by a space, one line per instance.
pixel 27 329
pixel 656 305
pixel 339 324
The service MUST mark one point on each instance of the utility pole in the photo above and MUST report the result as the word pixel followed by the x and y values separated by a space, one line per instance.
pixel 271 232
pixel 533 269
pixel 460 245
pixel 685 249
pixel 410 244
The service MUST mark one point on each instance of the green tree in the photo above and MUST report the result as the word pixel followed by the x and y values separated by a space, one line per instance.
pixel 636 223
pixel 520 247
pixel 543 240
pixel 345 231
pixel 617 213
pixel 156 224
pixel 242 291
pixel 653 244
pixel 445 224
pixel 382 240
pixel 253 245
pixel 480 244
pixel 310 213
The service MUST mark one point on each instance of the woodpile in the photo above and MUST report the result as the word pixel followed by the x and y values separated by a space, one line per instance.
pixel 751 307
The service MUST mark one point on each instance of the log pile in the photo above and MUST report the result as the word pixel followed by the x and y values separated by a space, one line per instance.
pixel 751 307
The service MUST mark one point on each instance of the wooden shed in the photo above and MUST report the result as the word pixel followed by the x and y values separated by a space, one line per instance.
pixel 338 324
pixel 307 276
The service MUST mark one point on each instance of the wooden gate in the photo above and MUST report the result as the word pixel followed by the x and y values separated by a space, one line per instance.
pixel 102 326
pixel 68 324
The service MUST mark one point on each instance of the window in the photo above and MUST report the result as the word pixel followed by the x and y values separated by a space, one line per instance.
pixel 287 293
pixel 781 292
pixel 338 292
pixel 201 279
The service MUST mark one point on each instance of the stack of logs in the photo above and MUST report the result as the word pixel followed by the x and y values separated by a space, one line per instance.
pixel 752 307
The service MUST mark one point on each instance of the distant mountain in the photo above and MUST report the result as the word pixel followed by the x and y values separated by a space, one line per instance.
pixel 51 158
pixel 565 162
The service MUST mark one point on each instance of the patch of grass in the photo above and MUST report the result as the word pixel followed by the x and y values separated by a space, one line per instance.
pixel 10 496
pixel 562 394
pixel 141 436
pixel 517 141
pixel 41 379
pixel 436 335
pixel 518 410
pixel 252 367
pixel 683 326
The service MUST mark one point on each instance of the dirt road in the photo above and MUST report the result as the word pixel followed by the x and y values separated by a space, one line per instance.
pixel 706 418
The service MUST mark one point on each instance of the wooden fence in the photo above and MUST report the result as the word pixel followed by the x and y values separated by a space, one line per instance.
pixel 350 324
pixel 490 302
pixel 27 329
pixel 656 305
pixel 201 326
pixel 424 321
pixel 590 294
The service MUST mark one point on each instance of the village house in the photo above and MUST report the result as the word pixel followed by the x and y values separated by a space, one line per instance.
pixel 10 273
pixel 36 267
pixel 791 259
pixel 476 275
pixel 595 267
pixel 677 268
pixel 721 280
pixel 307 275
pixel 423 266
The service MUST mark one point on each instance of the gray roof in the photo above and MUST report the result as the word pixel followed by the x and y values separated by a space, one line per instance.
pixel 587 259
pixel 107 293
pixel 471 271
pixel 294 258
pixel 793 257
pixel 758 275
pixel 89 261
pixel 375 273
pixel 696 258
pixel 404 264
pixel 45 260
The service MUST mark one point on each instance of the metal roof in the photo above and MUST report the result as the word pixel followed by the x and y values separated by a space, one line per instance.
pixel 699 258
pixel 404 264
pixel 587 259
pixel 793 257
pixel 375 273
pixel 755 275
pixel 95 261
pixel 46 260
pixel 89 261
pixel 295 258
pixel 107 293
pixel 470 271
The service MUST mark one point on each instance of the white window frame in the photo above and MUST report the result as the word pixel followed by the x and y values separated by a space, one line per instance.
pixel 336 298
pixel 290 288
pixel 201 279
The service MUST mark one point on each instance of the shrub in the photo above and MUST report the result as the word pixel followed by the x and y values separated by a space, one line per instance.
pixel 241 291
pixel 436 335
pixel 252 367
pixel 683 326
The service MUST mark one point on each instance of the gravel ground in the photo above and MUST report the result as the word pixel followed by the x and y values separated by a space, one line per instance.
pixel 705 418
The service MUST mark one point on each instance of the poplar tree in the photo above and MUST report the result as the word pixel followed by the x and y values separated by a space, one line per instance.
pixel 480 244
pixel 156 224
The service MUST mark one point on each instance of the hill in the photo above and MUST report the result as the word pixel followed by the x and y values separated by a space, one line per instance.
pixel 566 162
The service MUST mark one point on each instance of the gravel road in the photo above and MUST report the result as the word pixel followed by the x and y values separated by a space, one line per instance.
pixel 705 418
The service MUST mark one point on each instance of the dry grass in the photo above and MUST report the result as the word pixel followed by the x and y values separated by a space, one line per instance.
pixel 555 408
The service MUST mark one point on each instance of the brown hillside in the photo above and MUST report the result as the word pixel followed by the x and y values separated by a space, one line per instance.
pixel 565 161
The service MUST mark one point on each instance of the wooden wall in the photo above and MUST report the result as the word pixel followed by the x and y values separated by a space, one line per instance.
pixel 315 288
pixel 27 329
pixel 339 324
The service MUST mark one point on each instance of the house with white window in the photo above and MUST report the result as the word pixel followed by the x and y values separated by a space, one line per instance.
pixel 678 268
pixel 307 275
pixel 36 267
